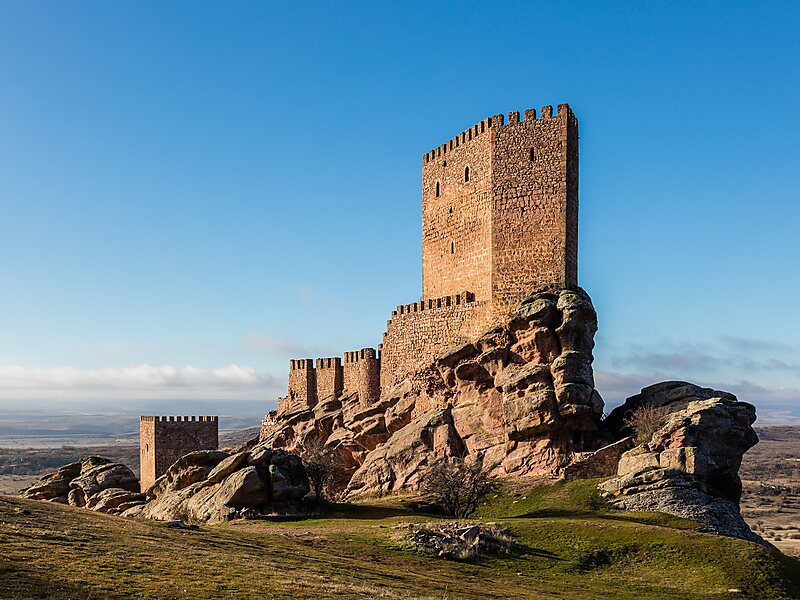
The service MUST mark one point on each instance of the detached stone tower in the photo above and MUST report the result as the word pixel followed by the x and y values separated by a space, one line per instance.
pixel 163 440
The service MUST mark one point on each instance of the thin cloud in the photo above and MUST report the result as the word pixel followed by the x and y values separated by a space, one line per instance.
pixel 142 380
pixel 735 353
pixel 773 405
pixel 263 345
pixel 257 343
pixel 686 359
pixel 750 344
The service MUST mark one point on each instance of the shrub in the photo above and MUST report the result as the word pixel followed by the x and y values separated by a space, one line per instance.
pixel 456 485
pixel 645 421
pixel 325 469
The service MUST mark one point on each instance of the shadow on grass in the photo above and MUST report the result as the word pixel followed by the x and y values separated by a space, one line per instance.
pixel 23 584
pixel 521 550
pixel 343 511
pixel 643 518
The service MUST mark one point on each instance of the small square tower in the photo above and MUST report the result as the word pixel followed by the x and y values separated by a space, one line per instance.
pixel 163 440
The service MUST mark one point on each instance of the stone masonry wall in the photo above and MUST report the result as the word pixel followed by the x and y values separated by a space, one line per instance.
pixel 362 373
pixel 535 207
pixel 330 377
pixel 512 224
pixel 302 384
pixel 456 219
pixel 419 332
pixel 147 450
pixel 163 440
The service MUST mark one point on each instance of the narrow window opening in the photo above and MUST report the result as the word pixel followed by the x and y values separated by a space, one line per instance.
pixel 444 163
pixel 452 247
pixel 466 174
pixel 437 189
pixel 533 155
pixel 451 210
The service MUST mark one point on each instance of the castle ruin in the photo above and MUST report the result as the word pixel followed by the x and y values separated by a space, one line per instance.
pixel 499 218
pixel 163 440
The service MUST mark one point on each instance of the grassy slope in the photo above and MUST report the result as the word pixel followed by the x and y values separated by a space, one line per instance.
pixel 571 547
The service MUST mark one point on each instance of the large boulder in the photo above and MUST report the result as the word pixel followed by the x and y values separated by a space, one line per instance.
pixel 209 486
pixel 55 486
pixel 689 466
pixel 398 463
pixel 114 500
pixel 704 434
pixel 89 482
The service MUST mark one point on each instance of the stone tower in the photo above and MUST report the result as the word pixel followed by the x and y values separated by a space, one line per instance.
pixel 499 220
pixel 163 440
pixel 500 209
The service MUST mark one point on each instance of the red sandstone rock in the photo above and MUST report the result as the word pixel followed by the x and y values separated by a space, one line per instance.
pixel 518 396
pixel 690 466
pixel 212 486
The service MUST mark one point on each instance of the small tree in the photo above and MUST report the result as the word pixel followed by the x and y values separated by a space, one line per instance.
pixel 456 485
pixel 324 467
pixel 645 421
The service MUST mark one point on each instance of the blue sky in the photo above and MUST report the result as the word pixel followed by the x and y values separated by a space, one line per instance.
pixel 191 193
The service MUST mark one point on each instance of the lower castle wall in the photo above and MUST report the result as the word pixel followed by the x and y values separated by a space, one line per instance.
pixel 415 337
pixel 302 391
pixel 330 377
pixel 369 381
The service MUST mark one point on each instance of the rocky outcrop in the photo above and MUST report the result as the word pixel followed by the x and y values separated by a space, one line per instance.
pixel 200 487
pixel 690 466
pixel 397 464
pixel 95 483
pixel 705 433
pixel 210 486
pixel 521 398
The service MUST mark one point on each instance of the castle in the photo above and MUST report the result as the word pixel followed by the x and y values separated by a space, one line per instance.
pixel 163 440
pixel 499 217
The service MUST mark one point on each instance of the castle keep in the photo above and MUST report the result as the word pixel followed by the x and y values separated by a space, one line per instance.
pixel 163 440
pixel 499 218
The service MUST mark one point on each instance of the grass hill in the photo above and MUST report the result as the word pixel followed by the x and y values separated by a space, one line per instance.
pixel 571 545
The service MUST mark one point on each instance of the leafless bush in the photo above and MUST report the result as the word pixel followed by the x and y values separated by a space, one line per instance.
pixel 456 485
pixel 325 469
pixel 645 421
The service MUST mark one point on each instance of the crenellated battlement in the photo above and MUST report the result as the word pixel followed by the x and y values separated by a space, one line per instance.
pixel 164 439
pixel 494 122
pixel 329 363
pixel 359 355
pixel 178 419
pixel 434 303
pixel 301 364
pixel 358 371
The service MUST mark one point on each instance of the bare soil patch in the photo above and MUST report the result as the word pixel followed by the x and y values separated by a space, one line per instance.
pixel 771 476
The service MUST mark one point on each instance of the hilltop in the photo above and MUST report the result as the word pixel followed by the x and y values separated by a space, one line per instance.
pixel 570 545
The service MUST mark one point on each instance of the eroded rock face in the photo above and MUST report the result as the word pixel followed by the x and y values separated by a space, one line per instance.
pixel 398 463
pixel 690 466
pixel 94 482
pixel 705 434
pixel 210 486
pixel 521 398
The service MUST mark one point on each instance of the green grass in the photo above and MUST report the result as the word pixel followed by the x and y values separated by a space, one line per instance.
pixel 571 545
